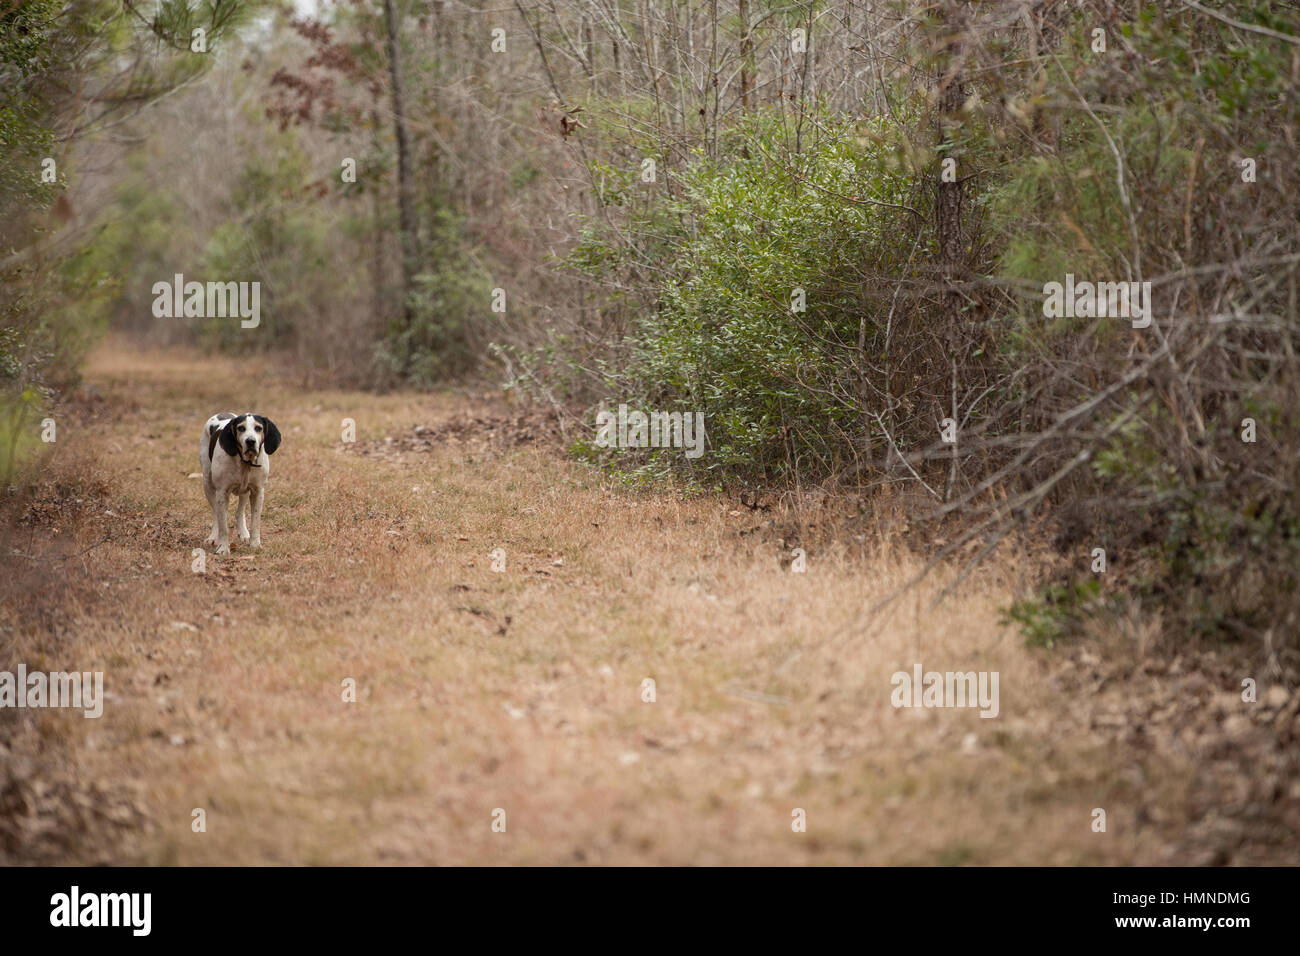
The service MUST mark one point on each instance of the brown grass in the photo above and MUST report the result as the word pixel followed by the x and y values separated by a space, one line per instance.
pixel 522 690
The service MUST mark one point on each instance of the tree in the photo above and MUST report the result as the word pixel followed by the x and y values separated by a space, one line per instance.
pixel 70 69
pixel 405 186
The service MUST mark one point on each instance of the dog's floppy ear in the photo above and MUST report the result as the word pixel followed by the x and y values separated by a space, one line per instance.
pixel 272 440
pixel 227 438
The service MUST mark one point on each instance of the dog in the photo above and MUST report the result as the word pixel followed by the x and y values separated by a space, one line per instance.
pixel 235 456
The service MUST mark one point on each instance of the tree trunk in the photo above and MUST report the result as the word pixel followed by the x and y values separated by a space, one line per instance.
pixel 377 244
pixel 948 202
pixel 746 59
pixel 405 185
pixel 948 205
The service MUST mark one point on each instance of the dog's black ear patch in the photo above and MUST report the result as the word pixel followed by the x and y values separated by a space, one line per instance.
pixel 272 440
pixel 226 436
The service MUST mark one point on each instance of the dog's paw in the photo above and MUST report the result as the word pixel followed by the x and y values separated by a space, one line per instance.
pixel 244 537
pixel 223 548
pixel 210 540
pixel 256 544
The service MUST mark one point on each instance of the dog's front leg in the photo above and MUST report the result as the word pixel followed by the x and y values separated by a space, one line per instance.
pixel 240 526
pixel 256 496
pixel 211 495
pixel 221 508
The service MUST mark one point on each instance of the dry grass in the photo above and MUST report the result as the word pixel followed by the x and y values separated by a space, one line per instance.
pixel 522 690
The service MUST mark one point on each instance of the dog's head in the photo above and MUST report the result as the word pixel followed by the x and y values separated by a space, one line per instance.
pixel 247 436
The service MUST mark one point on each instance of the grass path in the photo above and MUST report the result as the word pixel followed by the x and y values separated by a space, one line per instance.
pixel 523 690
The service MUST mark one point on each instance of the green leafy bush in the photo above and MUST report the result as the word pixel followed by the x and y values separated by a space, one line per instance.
pixel 768 295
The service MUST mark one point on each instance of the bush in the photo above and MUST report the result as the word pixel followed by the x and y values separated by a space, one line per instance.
pixel 768 304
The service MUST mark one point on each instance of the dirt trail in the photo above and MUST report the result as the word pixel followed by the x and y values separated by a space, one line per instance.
pixel 523 690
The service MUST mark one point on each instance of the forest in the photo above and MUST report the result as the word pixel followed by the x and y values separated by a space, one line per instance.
pixel 990 302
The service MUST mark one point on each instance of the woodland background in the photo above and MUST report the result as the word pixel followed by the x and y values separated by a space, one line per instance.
pixel 1144 140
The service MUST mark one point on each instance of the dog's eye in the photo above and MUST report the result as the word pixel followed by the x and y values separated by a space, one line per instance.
pixel 243 428
pixel 259 428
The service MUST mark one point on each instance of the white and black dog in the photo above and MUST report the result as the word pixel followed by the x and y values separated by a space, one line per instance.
pixel 235 456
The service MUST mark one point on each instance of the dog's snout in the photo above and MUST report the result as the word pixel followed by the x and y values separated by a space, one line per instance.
pixel 250 441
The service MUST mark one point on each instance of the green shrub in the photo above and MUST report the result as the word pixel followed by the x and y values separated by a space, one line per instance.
pixel 778 387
